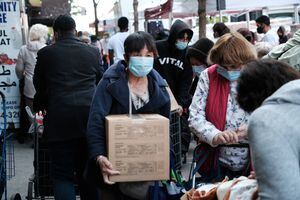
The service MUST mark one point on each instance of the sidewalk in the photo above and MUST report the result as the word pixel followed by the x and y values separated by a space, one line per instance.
pixel 185 169
pixel 23 169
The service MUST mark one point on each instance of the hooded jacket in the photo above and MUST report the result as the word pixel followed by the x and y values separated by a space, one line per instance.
pixel 275 141
pixel 26 64
pixel 112 97
pixel 172 64
pixel 288 52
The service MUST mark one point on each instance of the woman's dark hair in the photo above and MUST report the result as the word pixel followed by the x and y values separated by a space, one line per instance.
pixel 199 50
pixel 135 42
pixel 260 79
pixel 247 34
pixel 281 29
pixel 221 29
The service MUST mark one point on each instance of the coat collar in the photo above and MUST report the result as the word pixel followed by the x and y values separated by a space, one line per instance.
pixel 68 37
pixel 118 87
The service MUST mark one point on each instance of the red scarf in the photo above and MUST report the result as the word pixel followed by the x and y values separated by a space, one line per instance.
pixel 216 105
pixel 216 108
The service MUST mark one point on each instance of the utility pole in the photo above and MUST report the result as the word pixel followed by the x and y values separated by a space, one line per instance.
pixel 220 10
pixel 96 17
pixel 135 15
pixel 296 15
pixel 202 18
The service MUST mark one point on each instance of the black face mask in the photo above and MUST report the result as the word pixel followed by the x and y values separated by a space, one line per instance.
pixel 260 29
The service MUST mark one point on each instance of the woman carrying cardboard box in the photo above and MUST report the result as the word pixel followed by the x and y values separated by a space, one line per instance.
pixel 136 77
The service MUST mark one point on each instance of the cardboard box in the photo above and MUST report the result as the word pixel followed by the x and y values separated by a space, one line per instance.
pixel 138 147
pixel 174 105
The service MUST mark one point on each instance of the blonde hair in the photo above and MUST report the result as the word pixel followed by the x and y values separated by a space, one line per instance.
pixel 38 32
pixel 232 50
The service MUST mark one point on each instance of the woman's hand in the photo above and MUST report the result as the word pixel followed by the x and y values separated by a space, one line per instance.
pixel 252 175
pixel 106 169
pixel 180 110
pixel 242 132
pixel 225 137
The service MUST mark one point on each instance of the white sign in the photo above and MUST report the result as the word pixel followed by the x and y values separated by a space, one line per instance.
pixel 10 44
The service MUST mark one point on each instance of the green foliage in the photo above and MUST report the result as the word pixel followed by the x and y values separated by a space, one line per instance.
pixel 77 9
pixel 210 20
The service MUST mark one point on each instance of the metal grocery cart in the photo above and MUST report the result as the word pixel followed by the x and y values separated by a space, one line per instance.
pixel 7 159
pixel 40 184
pixel 175 134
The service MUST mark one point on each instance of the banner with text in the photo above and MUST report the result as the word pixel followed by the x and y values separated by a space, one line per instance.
pixel 10 44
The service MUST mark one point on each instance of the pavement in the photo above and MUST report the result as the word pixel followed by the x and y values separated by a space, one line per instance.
pixel 185 169
pixel 24 168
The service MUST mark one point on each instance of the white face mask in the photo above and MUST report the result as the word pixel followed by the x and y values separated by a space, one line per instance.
pixel 181 45
pixel 197 69
pixel 232 75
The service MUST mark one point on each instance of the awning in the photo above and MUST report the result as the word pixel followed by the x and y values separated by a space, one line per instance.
pixel 159 11
pixel 189 8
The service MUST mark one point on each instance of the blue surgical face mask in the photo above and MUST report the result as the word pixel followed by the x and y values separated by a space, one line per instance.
pixel 140 66
pixel 181 45
pixel 197 69
pixel 229 75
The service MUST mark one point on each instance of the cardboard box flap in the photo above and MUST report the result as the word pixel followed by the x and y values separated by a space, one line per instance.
pixel 136 117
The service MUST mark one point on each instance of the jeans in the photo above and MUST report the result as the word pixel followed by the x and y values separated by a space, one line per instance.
pixel 68 160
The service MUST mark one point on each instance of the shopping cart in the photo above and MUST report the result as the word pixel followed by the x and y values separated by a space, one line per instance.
pixel 40 184
pixel 202 153
pixel 175 133
pixel 7 159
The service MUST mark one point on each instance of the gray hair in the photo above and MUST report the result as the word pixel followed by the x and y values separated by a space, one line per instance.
pixel 38 32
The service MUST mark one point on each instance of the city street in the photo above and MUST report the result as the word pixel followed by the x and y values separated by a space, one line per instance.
pixel 115 90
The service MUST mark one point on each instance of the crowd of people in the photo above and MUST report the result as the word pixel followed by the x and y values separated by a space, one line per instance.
pixel 239 99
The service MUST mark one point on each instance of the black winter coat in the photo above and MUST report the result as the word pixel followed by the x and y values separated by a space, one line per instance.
pixel 65 78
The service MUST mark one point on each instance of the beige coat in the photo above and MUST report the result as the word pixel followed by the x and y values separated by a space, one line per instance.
pixel 26 64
